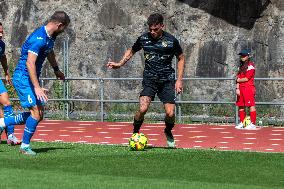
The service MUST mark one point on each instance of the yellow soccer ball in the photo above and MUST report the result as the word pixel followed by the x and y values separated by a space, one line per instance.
pixel 246 121
pixel 138 142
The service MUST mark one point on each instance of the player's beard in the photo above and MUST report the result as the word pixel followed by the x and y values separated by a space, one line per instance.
pixel 56 33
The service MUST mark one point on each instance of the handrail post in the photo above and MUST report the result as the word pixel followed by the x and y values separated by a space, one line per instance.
pixel 102 99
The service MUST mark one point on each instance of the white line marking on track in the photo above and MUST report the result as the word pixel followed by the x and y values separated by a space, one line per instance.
pixel 195 131
pixel 45 130
pixel 82 141
pixel 40 126
pixel 249 133
pixel 217 128
pixel 58 140
pixel 225 132
pixel 107 137
pixel 276 139
pixel 63 130
pixel 42 134
pixel 36 139
pixel 88 136
pixel 145 129
pixel 248 143
pixel 278 130
pixel 223 147
pixel 104 142
pixel 198 137
pixel 153 134
pixel 115 128
pixel 275 144
pixel 197 146
pixel 246 148
pixel 228 137
pixel 276 134
pixel 223 142
pixel 250 138
pixel 198 141
pixel 117 125
pixel 103 132
pixel 64 135
pixel 269 149
pixel 85 124
pixel 178 135
pixel 124 143
pixel 75 127
pixel 127 133
pixel 18 129
pixel 153 139
pixel 77 131
pixel 188 127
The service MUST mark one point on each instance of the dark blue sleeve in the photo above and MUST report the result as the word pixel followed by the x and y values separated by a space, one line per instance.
pixel 177 48
pixel 137 45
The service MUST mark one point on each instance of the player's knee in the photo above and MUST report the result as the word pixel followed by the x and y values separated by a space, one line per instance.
pixel 170 114
pixel 6 102
pixel 143 110
pixel 36 115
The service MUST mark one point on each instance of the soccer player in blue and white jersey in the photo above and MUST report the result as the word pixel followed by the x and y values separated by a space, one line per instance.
pixel 37 47
pixel 4 98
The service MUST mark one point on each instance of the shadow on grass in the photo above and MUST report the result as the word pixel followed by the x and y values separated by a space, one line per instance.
pixel 45 150
pixel 158 147
pixel 3 142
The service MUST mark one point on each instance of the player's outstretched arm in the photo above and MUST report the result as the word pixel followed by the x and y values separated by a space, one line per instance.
pixel 4 64
pixel 180 71
pixel 115 65
pixel 40 92
pixel 52 60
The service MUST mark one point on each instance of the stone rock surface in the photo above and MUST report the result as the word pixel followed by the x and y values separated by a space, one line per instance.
pixel 211 33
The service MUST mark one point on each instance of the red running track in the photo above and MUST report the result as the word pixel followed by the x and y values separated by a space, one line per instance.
pixel 267 139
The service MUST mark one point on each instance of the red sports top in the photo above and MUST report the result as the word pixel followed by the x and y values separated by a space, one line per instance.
pixel 250 72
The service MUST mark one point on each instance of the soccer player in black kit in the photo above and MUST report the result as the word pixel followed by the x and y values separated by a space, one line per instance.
pixel 158 77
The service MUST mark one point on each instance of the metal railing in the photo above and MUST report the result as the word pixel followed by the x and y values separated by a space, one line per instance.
pixel 101 98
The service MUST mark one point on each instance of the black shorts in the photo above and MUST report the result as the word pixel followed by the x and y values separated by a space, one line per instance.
pixel 165 90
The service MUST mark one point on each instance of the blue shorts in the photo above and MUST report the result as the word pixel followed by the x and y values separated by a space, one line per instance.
pixel 25 91
pixel 2 87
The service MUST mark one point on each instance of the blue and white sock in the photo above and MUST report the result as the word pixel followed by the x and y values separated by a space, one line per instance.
pixel 8 112
pixel 29 130
pixel 18 119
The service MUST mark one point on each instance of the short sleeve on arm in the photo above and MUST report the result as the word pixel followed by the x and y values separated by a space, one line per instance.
pixel 2 49
pixel 35 45
pixel 177 48
pixel 137 45
pixel 250 72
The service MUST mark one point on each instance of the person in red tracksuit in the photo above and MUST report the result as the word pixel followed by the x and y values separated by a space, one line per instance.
pixel 245 89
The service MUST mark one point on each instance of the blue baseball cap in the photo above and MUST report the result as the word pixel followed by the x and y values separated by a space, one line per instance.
pixel 244 52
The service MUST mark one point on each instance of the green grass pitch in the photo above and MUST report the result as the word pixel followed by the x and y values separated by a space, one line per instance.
pixel 67 165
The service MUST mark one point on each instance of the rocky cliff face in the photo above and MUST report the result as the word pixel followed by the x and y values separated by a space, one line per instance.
pixel 211 33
